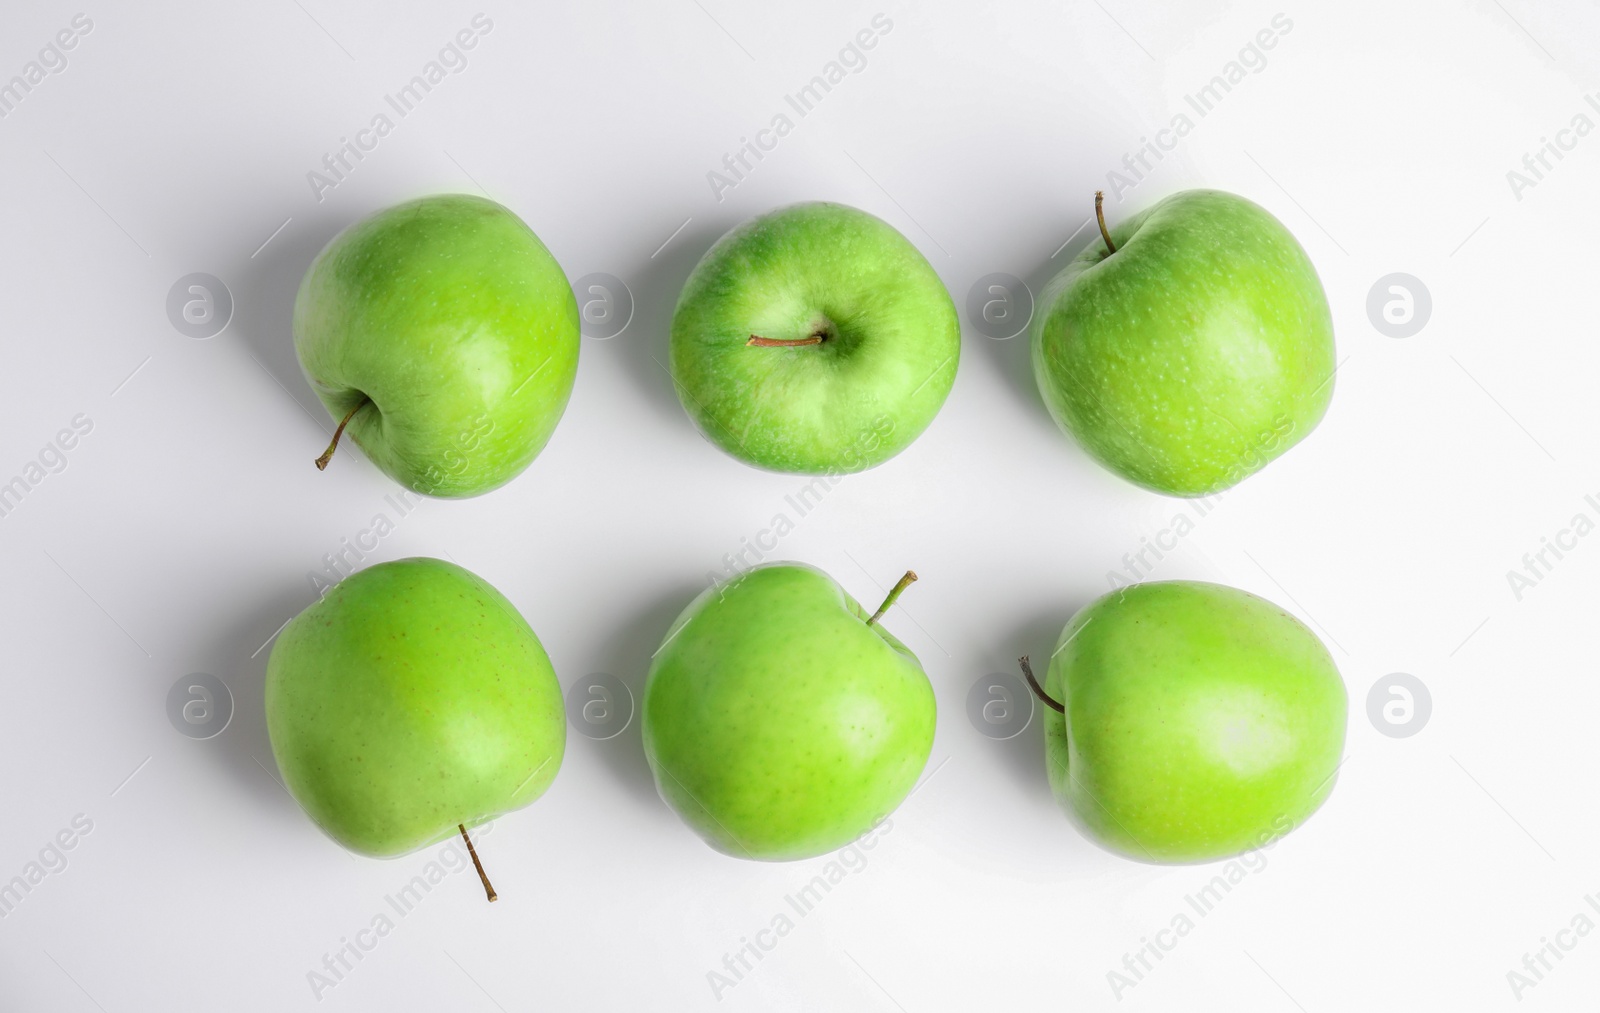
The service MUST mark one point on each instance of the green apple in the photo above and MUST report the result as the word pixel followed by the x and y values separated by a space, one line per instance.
pixel 410 702
pixel 780 720
pixel 814 338
pixel 1189 347
pixel 1197 721
pixel 444 337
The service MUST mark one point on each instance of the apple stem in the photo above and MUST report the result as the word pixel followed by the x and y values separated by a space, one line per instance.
pixel 1038 690
pixel 894 592
pixel 1100 216
pixel 759 342
pixel 488 888
pixel 327 455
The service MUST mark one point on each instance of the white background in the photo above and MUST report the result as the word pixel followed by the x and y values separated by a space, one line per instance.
pixel 180 535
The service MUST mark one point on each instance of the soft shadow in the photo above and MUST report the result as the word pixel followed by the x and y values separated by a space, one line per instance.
pixel 264 308
pixel 1013 356
pixel 1035 637
pixel 656 283
pixel 244 749
pixel 626 654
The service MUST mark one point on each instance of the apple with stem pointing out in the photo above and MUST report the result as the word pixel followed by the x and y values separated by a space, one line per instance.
pixel 814 339
pixel 409 704
pixel 1188 348
pixel 443 338
pixel 781 720
pixel 1190 721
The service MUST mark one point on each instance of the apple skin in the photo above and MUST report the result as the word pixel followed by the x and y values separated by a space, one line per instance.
pixel 1196 353
pixel 778 724
pixel 452 317
pixel 1201 721
pixel 413 697
pixel 858 398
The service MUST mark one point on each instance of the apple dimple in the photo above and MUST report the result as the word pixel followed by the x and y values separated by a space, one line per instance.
pixel 813 339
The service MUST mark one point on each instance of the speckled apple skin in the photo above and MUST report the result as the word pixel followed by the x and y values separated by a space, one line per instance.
pixel 452 317
pixel 1201 721
pixel 413 697
pixel 1195 354
pixel 778 723
pixel 849 403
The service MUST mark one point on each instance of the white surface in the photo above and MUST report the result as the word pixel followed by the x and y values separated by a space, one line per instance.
pixel 180 534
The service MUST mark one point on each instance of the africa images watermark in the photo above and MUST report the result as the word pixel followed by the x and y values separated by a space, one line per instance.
pixel 756 548
pixel 1542 960
pixel 1140 962
pixel 52 59
pixel 1537 164
pixel 338 164
pixel 52 859
pixel 1251 59
pixel 51 460
pixel 338 964
pixel 1137 564
pixel 852 59
pixel 352 550
pixel 848 861
pixel 456 462
pixel 1537 564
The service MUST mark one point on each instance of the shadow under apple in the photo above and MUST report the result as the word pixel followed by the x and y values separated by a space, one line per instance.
pixel 240 650
pixel 656 283
pixel 627 654
pixel 264 307
pixel 1023 754
pixel 1014 356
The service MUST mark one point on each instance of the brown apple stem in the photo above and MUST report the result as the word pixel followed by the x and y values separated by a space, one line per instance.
pixel 894 592
pixel 327 455
pixel 1100 216
pixel 488 887
pixel 1038 690
pixel 759 342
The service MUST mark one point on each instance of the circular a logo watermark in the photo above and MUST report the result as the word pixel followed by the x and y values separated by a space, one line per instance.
pixel 599 706
pixel 199 305
pixel 1399 305
pixel 1399 705
pixel 999 306
pixel 200 705
pixel 1000 705
pixel 605 305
